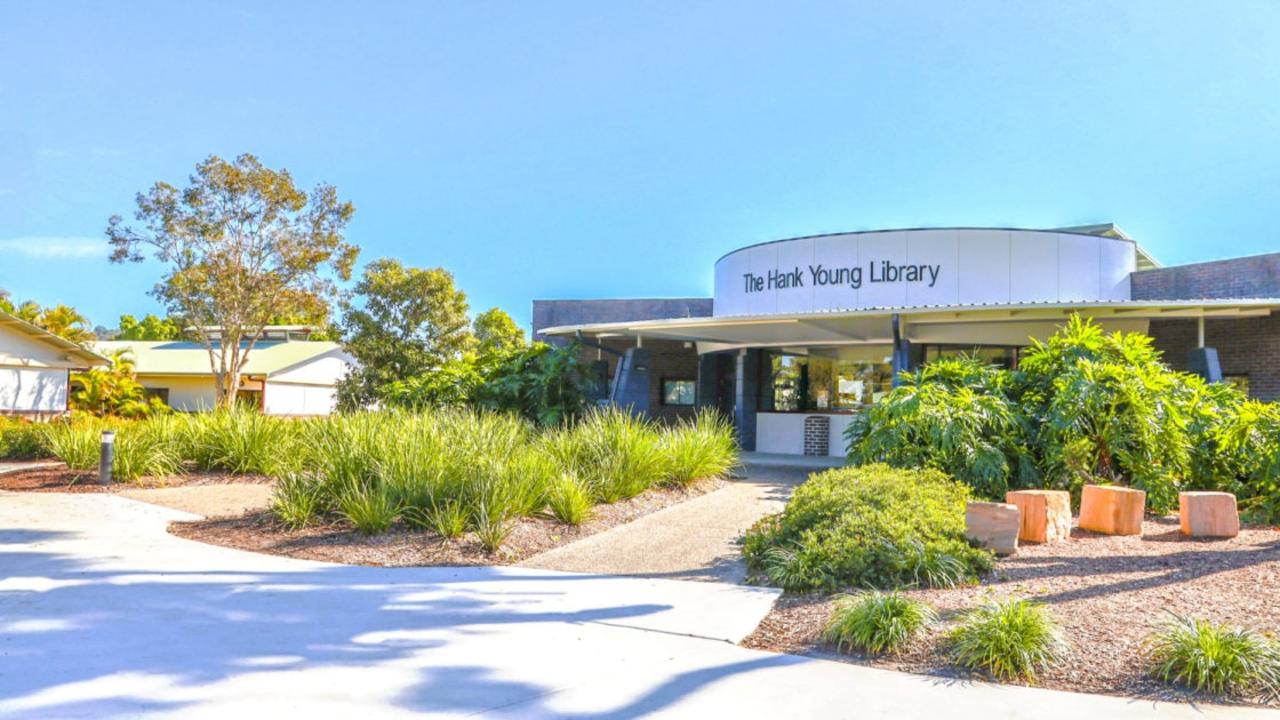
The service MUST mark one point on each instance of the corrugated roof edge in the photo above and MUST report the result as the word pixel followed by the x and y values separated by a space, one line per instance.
pixel 55 340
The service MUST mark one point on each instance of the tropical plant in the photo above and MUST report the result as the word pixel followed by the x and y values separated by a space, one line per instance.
pixel 1008 639
pixel 114 390
pixel 1218 659
pixel 870 526
pixel 544 383
pixel 877 622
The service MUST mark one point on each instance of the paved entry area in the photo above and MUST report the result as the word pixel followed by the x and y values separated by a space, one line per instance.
pixel 105 615
pixel 695 540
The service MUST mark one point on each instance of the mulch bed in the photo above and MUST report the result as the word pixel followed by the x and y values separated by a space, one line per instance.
pixel 61 479
pixel 404 546
pixel 1108 593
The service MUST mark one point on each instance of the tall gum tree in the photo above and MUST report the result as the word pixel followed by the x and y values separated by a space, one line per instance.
pixel 241 244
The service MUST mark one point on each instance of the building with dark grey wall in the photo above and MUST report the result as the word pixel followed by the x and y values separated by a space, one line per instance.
pixel 802 333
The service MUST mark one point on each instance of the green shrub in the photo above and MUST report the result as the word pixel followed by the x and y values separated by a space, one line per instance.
pixel 569 501
pixel 614 453
pixel 1084 406
pixel 1218 659
pixel 372 509
pixel 700 448
pixel 78 444
pixel 870 526
pixel 877 622
pixel 145 449
pixel 22 440
pixel 951 415
pixel 297 500
pixel 1008 639
pixel 242 440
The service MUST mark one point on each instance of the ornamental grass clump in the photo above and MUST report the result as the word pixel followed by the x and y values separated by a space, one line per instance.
pixel 569 501
pixel 298 500
pixel 1008 639
pixel 78 444
pixel 700 448
pixel 1217 659
pixel 242 440
pixel 145 449
pixel 615 454
pixel 868 527
pixel 877 622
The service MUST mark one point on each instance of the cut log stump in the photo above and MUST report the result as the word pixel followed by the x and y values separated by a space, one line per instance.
pixel 1112 510
pixel 993 526
pixel 1046 514
pixel 1208 514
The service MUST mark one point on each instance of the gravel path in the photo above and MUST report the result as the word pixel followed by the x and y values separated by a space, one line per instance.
pixel 695 540
pixel 210 501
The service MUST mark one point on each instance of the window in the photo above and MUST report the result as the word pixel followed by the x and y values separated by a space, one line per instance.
pixel 161 393
pixel 827 379
pixel 679 392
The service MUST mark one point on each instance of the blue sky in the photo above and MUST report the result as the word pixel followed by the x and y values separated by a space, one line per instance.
pixel 588 149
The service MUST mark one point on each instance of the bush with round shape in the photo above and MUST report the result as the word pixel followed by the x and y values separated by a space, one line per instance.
pixel 1217 659
pixel 877 622
pixel 1008 639
pixel 872 526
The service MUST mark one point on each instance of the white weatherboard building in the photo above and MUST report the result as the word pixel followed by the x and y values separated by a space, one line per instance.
pixel 35 368
pixel 282 377
pixel 804 332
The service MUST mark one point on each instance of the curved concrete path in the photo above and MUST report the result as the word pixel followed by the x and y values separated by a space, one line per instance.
pixel 103 614
pixel 694 540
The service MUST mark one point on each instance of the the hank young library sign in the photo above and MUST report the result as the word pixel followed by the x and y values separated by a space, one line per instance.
pixel 876 271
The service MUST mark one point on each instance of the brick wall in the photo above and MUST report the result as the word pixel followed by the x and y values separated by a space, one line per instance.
pixel 1247 277
pixel 670 360
pixel 1247 346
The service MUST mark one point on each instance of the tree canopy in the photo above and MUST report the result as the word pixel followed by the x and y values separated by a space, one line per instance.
pixel 149 327
pixel 496 332
pixel 241 244
pixel 405 322
pixel 61 320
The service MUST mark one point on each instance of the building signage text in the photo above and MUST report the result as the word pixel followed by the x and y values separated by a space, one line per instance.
pixel 820 275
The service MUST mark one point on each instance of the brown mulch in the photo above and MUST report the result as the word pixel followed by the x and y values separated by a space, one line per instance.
pixel 1107 593
pixel 61 479
pixel 405 546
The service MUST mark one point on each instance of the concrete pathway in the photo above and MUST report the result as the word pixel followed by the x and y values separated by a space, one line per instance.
pixel 13 466
pixel 104 615
pixel 695 540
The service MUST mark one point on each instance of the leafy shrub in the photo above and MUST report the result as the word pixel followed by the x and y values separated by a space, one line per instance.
pixel 952 415
pixel 877 622
pixel 869 526
pixel 1008 639
pixel 22 440
pixel 699 448
pixel 1082 407
pixel 1218 659
pixel 145 449
pixel 78 444
pixel 569 501
pixel 297 500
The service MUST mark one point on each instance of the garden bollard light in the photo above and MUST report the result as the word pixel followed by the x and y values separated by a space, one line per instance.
pixel 107 457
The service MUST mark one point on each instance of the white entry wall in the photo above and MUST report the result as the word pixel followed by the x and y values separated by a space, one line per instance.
pixel 917 268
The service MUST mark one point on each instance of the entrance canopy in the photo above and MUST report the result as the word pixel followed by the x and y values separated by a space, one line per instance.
pixel 1010 324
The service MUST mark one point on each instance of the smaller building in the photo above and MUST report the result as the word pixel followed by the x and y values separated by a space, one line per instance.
pixel 282 376
pixel 35 369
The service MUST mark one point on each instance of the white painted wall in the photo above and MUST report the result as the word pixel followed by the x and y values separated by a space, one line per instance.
pixel 974 267
pixel 18 349
pixel 35 391
pixel 186 393
pixel 297 399
pixel 783 433
pixel 325 369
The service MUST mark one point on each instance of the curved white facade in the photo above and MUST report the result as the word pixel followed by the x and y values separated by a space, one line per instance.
pixel 917 268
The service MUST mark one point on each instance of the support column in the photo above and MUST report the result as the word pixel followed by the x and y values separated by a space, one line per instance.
pixel 707 365
pixel 746 398
pixel 901 350
pixel 1204 360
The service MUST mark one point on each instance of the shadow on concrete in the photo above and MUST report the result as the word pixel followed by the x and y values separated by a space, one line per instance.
pixel 78 640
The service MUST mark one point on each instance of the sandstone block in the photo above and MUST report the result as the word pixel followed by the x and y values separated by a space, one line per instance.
pixel 993 526
pixel 1112 510
pixel 1208 514
pixel 1046 514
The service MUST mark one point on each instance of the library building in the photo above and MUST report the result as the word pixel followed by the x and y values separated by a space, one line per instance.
pixel 802 333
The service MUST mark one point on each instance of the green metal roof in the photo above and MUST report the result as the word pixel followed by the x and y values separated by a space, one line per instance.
pixel 177 357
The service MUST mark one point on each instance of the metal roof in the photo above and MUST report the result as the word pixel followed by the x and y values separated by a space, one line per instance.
pixel 90 358
pixel 176 357
pixel 871 325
